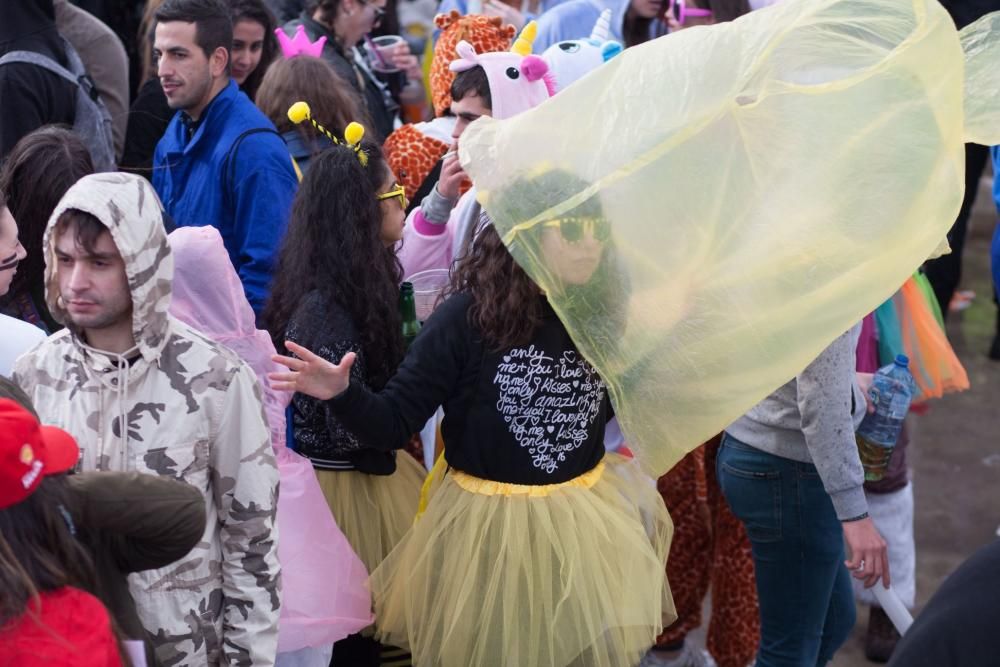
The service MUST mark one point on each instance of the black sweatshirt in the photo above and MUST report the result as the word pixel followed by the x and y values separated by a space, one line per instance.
pixel 531 414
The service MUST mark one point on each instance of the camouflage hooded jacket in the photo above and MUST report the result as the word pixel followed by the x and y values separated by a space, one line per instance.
pixel 180 406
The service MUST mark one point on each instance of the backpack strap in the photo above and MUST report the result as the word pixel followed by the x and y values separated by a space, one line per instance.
pixel 231 155
pixel 33 58
pixel 76 74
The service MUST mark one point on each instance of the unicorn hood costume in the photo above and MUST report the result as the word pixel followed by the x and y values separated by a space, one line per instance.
pixel 518 81
pixel 569 60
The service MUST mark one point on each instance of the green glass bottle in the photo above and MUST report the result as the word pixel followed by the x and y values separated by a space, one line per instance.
pixel 408 311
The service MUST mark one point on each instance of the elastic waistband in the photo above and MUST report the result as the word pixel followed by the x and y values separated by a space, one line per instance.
pixel 488 487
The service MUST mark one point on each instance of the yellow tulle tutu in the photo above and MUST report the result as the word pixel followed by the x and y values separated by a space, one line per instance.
pixel 503 574
pixel 374 511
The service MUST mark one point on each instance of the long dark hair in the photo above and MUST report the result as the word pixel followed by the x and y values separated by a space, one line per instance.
pixel 507 306
pixel 38 553
pixel 257 11
pixel 36 174
pixel 333 245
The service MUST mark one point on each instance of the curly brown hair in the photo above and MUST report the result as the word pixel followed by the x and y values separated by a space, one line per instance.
pixel 507 305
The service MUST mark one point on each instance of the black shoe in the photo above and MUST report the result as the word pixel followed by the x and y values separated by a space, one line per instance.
pixel 882 636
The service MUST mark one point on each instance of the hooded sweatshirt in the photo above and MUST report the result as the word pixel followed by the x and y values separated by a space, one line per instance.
pixel 192 411
pixel 31 96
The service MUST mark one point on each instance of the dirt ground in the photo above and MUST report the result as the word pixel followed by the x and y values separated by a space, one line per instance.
pixel 955 449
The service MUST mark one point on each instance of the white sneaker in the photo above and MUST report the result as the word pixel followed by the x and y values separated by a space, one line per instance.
pixel 689 657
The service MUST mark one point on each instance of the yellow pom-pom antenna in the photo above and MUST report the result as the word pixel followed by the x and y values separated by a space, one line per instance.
pixel 522 45
pixel 353 134
pixel 300 112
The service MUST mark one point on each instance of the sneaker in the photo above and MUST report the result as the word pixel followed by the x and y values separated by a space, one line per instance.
pixel 882 636
pixel 689 657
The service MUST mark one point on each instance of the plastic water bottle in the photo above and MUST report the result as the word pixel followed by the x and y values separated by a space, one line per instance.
pixel 891 392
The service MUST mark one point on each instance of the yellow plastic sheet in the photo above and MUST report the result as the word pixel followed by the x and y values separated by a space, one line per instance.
pixel 981 43
pixel 762 185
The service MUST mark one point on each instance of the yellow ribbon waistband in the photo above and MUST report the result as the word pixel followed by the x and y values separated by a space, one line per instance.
pixel 488 487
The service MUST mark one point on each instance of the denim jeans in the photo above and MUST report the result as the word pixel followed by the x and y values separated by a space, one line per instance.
pixel 804 589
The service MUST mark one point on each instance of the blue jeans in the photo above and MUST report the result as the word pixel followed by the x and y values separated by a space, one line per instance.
pixel 804 589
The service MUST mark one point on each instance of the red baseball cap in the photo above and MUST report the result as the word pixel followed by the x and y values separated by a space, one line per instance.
pixel 28 452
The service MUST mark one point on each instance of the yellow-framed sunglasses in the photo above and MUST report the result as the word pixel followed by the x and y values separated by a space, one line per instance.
pixel 397 191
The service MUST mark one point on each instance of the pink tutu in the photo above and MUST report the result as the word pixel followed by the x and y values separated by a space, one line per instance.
pixel 325 594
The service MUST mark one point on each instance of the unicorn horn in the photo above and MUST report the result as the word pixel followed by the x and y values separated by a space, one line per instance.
pixel 522 45
pixel 602 28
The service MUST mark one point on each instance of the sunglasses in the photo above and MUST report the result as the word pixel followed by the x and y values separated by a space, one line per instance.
pixel 573 229
pixel 682 12
pixel 397 191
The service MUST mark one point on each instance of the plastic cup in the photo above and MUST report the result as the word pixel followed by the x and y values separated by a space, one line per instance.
pixel 385 46
pixel 380 50
pixel 427 288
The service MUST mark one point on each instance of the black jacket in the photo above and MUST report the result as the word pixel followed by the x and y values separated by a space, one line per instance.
pixel 29 95
pixel 959 626
pixel 131 522
pixel 531 414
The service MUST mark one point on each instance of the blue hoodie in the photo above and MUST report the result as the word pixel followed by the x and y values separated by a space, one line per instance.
pixel 995 250
pixel 575 20
pixel 249 204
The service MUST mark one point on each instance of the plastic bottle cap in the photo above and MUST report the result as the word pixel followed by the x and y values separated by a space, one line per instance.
pixel 902 360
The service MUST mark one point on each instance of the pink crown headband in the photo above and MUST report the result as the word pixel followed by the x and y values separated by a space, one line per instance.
pixel 300 44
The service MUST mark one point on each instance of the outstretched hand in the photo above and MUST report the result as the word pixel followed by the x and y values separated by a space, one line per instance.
pixel 310 374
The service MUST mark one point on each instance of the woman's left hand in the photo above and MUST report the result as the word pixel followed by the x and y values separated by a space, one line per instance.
pixel 311 374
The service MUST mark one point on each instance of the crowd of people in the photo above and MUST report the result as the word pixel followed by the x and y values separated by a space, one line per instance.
pixel 220 442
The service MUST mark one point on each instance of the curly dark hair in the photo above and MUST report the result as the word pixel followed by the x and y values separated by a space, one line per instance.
pixel 507 306
pixel 333 245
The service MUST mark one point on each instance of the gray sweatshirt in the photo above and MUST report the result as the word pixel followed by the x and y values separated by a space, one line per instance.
pixel 812 419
